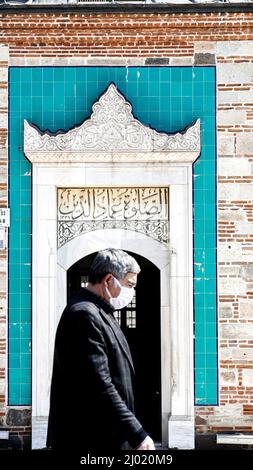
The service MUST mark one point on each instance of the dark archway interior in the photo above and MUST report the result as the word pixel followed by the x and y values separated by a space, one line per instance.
pixel 140 322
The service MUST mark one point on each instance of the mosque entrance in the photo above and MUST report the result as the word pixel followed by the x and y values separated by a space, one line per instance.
pixel 152 217
pixel 141 324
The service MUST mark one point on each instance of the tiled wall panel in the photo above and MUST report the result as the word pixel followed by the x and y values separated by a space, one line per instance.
pixel 167 99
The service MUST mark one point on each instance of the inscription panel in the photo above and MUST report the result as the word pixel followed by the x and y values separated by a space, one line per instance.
pixel 144 210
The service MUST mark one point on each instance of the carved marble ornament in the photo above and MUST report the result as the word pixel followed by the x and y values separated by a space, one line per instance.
pixel 111 134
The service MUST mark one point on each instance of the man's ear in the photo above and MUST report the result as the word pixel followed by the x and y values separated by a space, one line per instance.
pixel 108 277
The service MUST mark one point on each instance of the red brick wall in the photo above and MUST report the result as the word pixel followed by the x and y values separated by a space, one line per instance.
pixel 155 35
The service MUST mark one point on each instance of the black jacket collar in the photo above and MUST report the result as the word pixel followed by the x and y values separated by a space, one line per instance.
pixel 101 303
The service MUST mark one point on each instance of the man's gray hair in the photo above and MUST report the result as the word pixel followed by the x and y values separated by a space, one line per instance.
pixel 113 261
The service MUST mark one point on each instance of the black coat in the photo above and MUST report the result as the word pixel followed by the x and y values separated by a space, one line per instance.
pixel 91 400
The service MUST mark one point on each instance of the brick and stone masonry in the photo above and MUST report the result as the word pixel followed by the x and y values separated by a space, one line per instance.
pixel 169 37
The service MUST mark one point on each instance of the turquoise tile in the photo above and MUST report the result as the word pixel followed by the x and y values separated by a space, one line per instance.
pixel 187 90
pixel 14 170
pixel 25 226
pixel 165 90
pixel 14 394
pixel 176 90
pixel 14 255
pixel 14 298
pixel 82 73
pixel 25 196
pixel 199 300
pixel 187 106
pixel 212 376
pixel 37 103
pixel 14 315
pixel 25 256
pixel 199 392
pixel 199 314
pixel 209 197
pixel 49 104
pixel 46 89
pixel 26 74
pixel 210 216
pixel 209 75
pixel 14 73
pixel 211 361
pixel 198 74
pixel 210 314
pixel 25 360
pixel 25 241
pixel 15 347
pixel 15 376
pixel 48 74
pixel 14 290
pixel 70 74
pixel 211 346
pixel 25 104
pixel 154 74
pixel 15 89
pixel 59 92
pixel 25 330
pixel 14 360
pixel 198 212
pixel 199 285
pixel 25 211
pixel 200 361
pixel 210 300
pixel 25 315
pixel 25 297
pixel 15 181
pixel 14 331
pixel 16 212
pixel 25 286
pixel 210 286
pixel 25 377
pixel 166 73
pixel 25 91
pixel 36 74
pixel 153 91
pixel 200 345
pixel 15 240
pixel 15 104
pixel 200 330
pixel 211 330
pixel 199 225
pixel 25 182
pixel 26 270
pixel 200 375
pixel 25 393
pixel 200 239
pixel 25 345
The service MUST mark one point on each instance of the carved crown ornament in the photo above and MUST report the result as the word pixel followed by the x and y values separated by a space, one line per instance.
pixel 111 134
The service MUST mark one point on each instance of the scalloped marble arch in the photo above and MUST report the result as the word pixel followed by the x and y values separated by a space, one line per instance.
pixel 112 134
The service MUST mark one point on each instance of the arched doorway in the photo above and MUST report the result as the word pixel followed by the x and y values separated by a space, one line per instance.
pixel 140 321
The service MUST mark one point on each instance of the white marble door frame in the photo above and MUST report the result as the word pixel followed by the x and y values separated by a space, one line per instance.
pixel 50 265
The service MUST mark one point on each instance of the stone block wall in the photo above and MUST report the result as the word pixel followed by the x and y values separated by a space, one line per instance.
pixel 4 62
pixel 234 61
pixel 224 40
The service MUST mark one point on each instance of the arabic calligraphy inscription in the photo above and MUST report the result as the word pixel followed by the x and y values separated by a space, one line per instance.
pixel 143 210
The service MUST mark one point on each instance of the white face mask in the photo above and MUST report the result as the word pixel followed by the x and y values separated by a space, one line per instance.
pixel 124 298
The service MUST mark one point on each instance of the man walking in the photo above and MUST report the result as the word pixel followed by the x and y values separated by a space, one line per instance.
pixel 91 401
